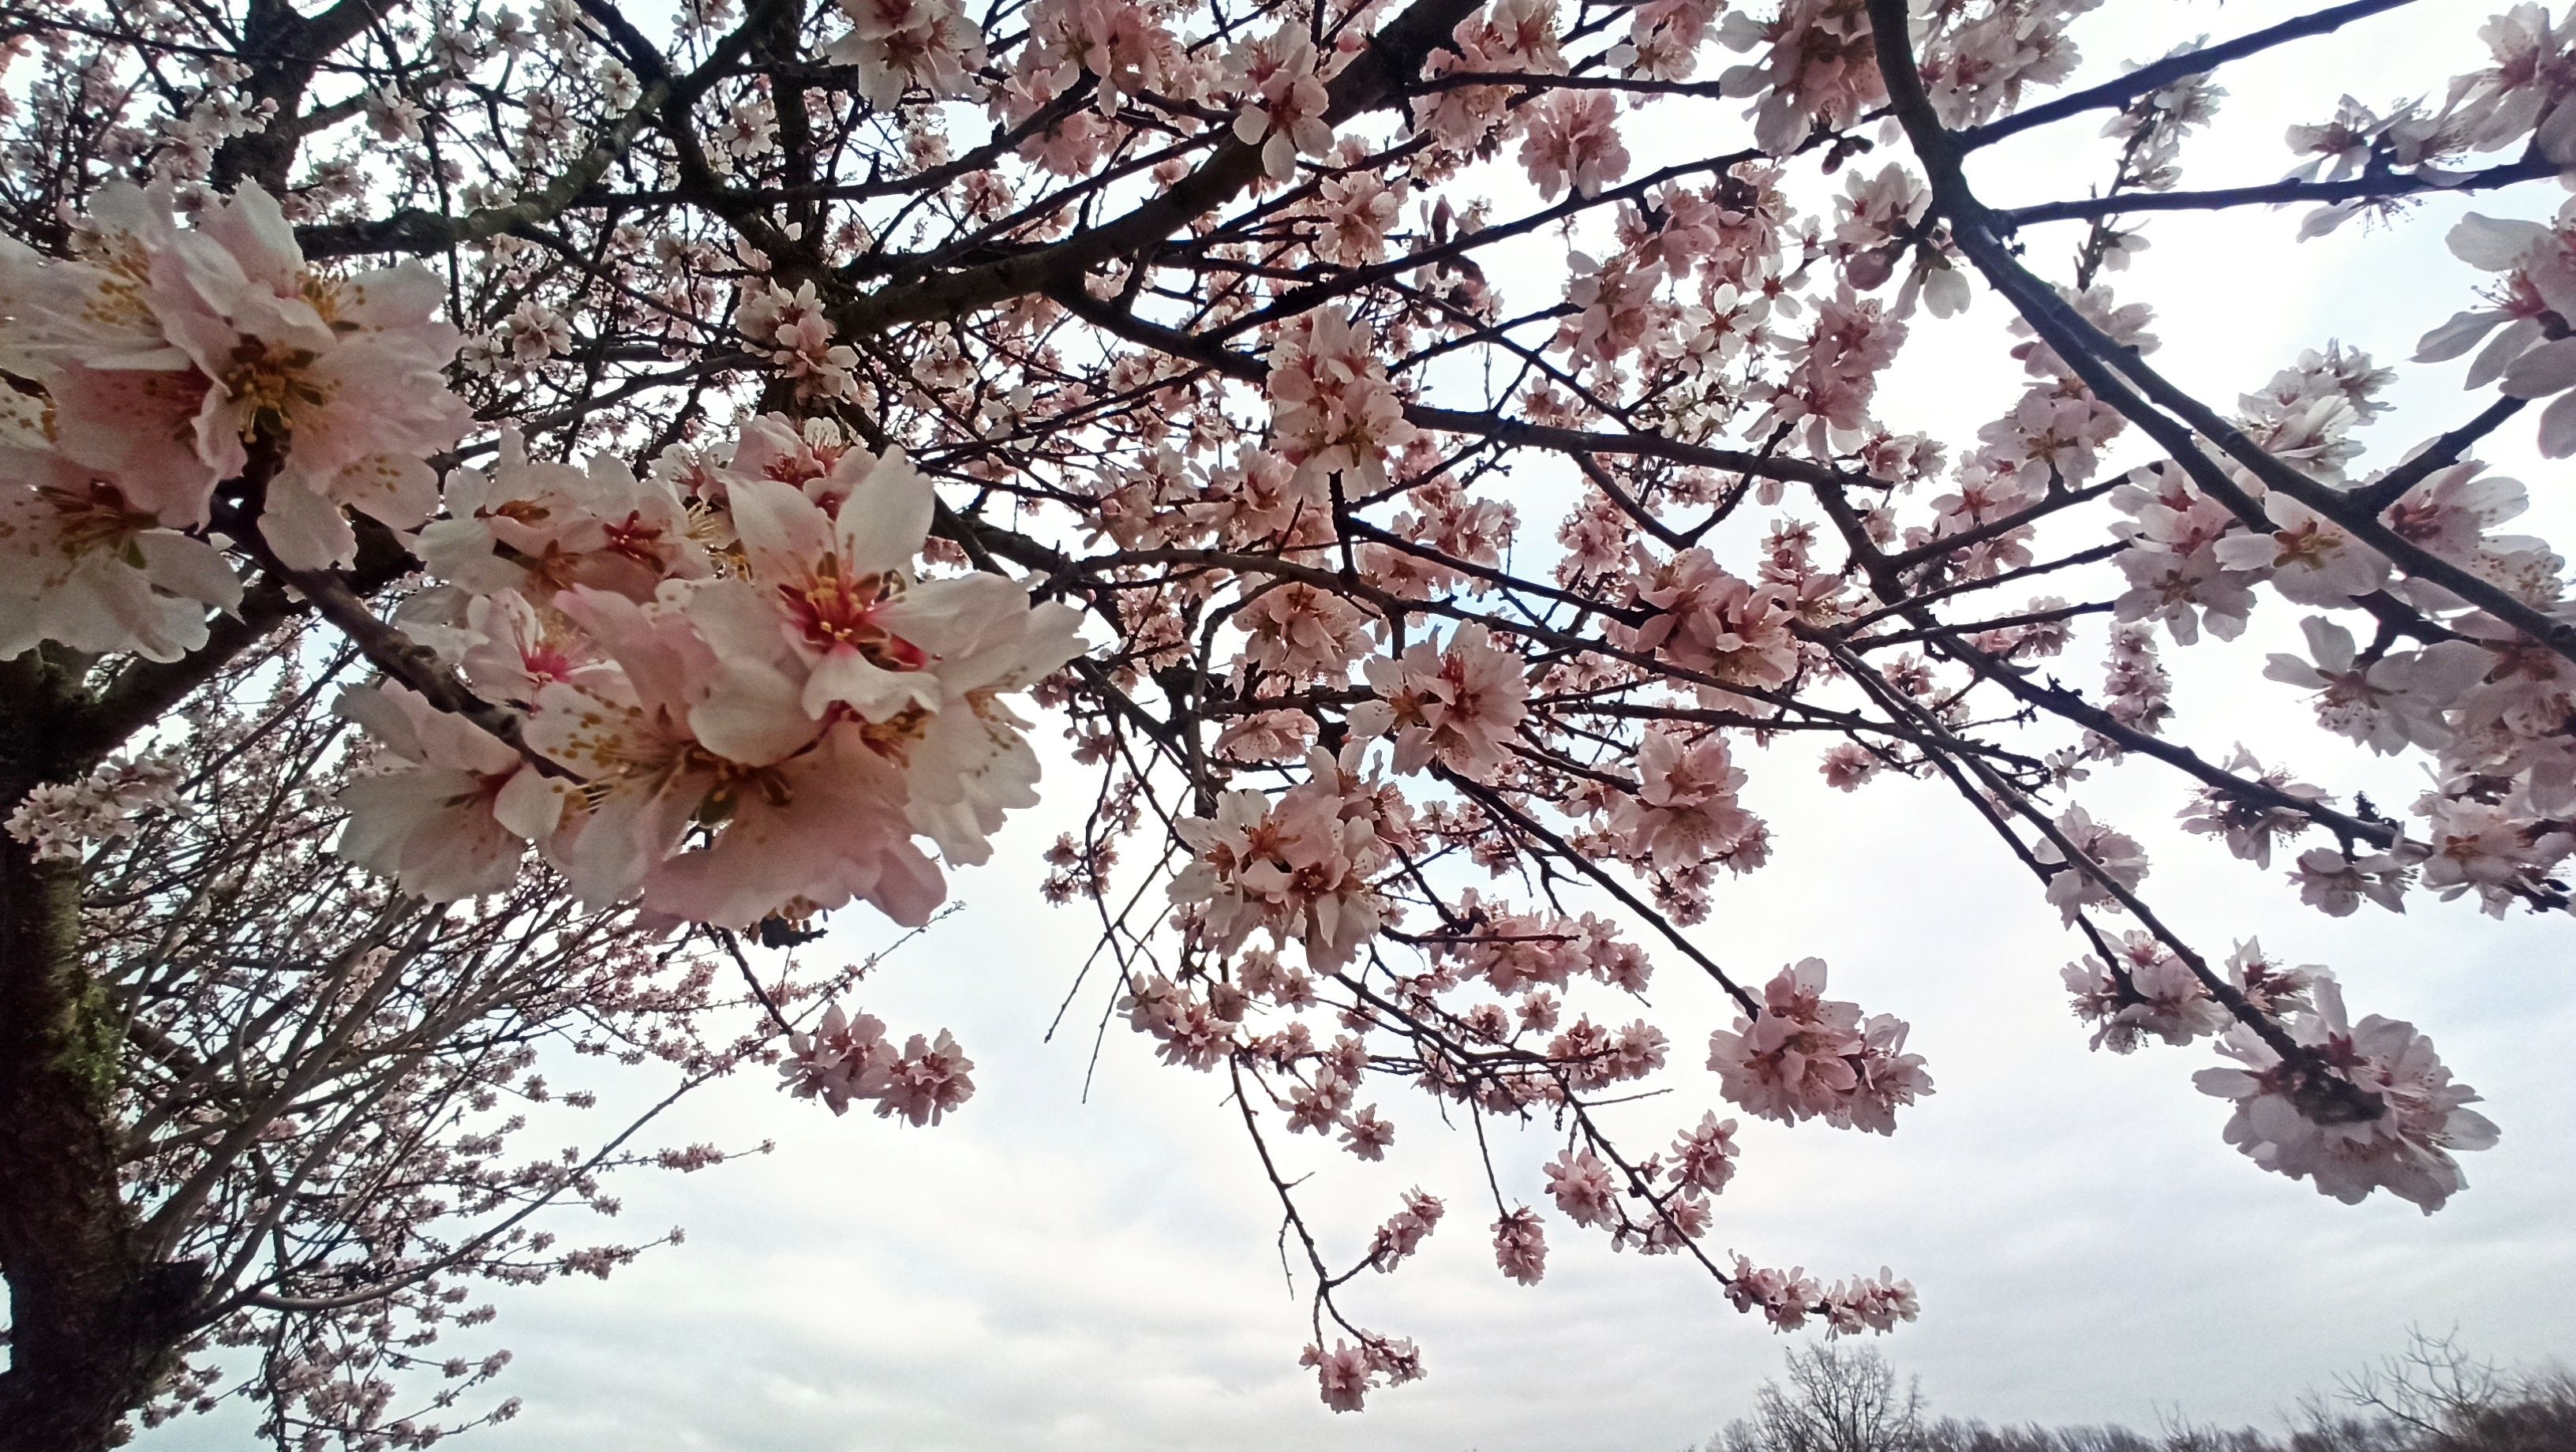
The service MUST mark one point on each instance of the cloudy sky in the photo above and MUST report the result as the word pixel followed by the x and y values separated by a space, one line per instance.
pixel 1050 1269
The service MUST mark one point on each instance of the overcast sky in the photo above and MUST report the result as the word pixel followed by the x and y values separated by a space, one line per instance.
pixel 1046 1271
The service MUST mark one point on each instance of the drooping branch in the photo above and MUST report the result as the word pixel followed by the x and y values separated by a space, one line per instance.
pixel 2156 75
pixel 2165 412
pixel 2365 188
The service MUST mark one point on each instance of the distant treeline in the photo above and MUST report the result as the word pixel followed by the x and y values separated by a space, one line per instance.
pixel 2431 1397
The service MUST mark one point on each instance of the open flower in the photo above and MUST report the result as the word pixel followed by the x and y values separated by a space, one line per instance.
pixel 1460 705
pixel 538 526
pixel 833 577
pixel 167 353
pixel 454 814
pixel 897 44
pixel 2533 305
pixel 1283 100
pixel 2387 703
pixel 80 564
pixel 796 818
pixel 2308 558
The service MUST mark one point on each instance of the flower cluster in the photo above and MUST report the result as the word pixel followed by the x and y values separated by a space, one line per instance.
pixel 738 705
pixel 1808 1056
pixel 1332 407
pixel 162 357
pixel 1299 868
pixel 2364 1106
pixel 1459 705
pixel 1787 1298
pixel 842 1059
pixel 61 820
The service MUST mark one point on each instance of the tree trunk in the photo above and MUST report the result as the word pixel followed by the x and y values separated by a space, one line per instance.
pixel 95 1323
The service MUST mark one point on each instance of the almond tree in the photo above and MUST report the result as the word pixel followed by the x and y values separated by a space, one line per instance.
pixel 693 447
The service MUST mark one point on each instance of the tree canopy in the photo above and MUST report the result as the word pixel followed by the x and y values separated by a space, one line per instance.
pixel 509 522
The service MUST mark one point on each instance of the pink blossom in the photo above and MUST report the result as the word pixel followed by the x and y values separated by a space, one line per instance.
pixel 1808 1056
pixel 1520 1245
pixel 840 1060
pixel 1785 1298
pixel 2533 74
pixel 81 565
pixel 537 526
pixel 1124 47
pixel 2175 574
pixel 513 649
pixel 2534 301
pixel 2335 884
pixel 167 352
pixel 59 821
pixel 2387 703
pixel 1573 141
pixel 1298 868
pixel 1302 632
pixel 1978 66
pixel 1712 623
pixel 1848 764
pixel 1331 405
pixel 897 44
pixel 1867 1303
pixel 1366 1136
pixel 928 1081
pixel 1342 1373
pixel 455 817
pixel 2143 991
pixel 1460 704
pixel 2308 558
pixel 1267 737
pixel 2394 1125
pixel 1704 1156
pixel 2247 825
pixel 1358 209
pixel 1584 1188
pixel 1684 811
pixel 2101 853
pixel 2489 849
pixel 812 815
pixel 1666 35
pixel 1833 371
pixel 1264 497
pixel 1405 1230
pixel 1817 69
pixel 2270 987
pixel 1618 310
pixel 1189 1027
pixel 1511 36
pixel 1284 100
pixel 837 584
pixel 795 333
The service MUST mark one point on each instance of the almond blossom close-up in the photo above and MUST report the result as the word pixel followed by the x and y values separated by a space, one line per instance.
pixel 1288 636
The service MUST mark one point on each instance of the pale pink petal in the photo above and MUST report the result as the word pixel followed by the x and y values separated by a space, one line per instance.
pixel 2558 427
pixel 307 531
pixel 2543 370
pixel 2457 336
pixel 2493 243
pixel 885 520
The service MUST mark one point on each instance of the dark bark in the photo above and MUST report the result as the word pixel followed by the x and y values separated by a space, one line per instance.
pixel 95 1322
pixel 95 1318
pixel 284 51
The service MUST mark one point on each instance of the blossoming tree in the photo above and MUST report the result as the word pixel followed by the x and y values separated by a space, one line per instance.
pixel 696 452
